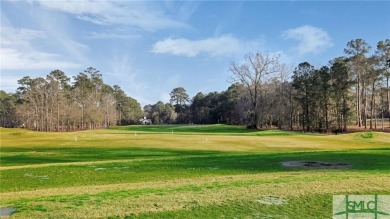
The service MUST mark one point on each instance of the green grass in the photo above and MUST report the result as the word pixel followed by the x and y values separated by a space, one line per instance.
pixel 24 156
pixel 181 166
pixel 251 209
pixel 214 171
pixel 366 135
pixel 216 129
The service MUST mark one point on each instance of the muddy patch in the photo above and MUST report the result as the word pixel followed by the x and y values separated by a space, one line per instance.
pixel 316 164
pixel 272 200
pixel 6 211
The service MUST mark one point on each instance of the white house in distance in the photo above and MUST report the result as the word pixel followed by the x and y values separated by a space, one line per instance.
pixel 145 121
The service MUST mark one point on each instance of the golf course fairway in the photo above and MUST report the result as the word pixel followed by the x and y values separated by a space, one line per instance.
pixel 187 171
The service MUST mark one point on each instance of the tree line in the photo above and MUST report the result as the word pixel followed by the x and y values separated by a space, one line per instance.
pixel 264 93
pixel 349 90
pixel 55 104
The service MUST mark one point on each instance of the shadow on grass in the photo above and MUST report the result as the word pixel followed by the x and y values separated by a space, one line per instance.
pixel 26 156
pixel 359 160
pixel 369 159
pixel 218 129
pixel 177 165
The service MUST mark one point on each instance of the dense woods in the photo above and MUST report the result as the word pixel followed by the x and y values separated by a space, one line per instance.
pixel 55 104
pixel 265 93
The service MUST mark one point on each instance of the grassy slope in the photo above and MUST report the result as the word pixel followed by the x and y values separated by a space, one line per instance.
pixel 198 171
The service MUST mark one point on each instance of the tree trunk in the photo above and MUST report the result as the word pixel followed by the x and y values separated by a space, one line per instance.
pixel 120 116
pixel 376 117
pixel 291 110
pixel 383 128
pixel 326 116
pixel 58 114
pixel 344 114
pixel 388 96
pixel 82 117
pixel 364 95
pixel 47 112
pixel 372 103
pixel 307 118
pixel 358 113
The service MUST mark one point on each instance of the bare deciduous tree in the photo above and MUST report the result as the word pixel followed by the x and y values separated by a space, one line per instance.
pixel 253 74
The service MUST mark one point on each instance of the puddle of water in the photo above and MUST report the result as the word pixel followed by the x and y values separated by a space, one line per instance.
pixel 6 211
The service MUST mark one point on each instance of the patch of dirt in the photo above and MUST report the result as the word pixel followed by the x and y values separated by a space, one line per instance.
pixel 272 200
pixel 42 177
pixel 43 153
pixel 6 211
pixel 120 168
pixel 316 164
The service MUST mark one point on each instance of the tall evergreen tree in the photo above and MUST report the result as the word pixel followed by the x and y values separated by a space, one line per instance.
pixel 356 53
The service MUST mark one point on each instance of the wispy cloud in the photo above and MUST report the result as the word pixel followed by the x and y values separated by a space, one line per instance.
pixel 13 59
pixel 121 66
pixel 122 69
pixel 143 15
pixel 225 45
pixel 19 36
pixel 111 35
pixel 18 51
pixel 311 39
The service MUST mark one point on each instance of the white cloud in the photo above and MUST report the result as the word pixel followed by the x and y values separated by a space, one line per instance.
pixel 311 39
pixel 225 45
pixel 17 51
pixel 142 15
pixel 13 59
pixel 19 36
pixel 122 69
pixel 111 35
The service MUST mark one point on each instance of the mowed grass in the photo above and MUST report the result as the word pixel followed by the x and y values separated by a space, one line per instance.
pixel 214 171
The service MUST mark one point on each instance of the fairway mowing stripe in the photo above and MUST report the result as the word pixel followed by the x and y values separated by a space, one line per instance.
pixel 188 141
pixel 73 163
pixel 262 179
pixel 226 189
pixel 82 163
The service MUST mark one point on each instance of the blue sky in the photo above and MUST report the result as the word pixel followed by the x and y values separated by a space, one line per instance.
pixel 151 47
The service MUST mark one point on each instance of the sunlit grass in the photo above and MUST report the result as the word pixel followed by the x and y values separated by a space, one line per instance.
pixel 259 141
pixel 195 172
